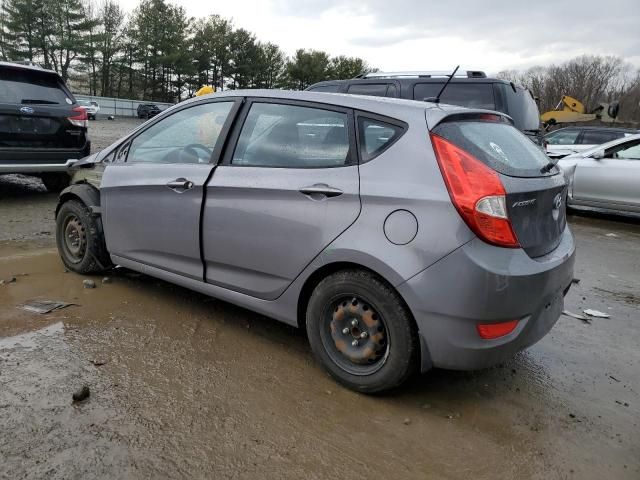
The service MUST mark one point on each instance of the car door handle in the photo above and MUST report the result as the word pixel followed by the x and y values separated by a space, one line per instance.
pixel 321 189
pixel 180 184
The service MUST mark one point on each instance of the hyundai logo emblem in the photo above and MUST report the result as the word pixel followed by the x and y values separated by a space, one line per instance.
pixel 26 110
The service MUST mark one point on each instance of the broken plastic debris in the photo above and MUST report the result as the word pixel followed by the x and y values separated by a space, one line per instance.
pixel 576 315
pixel 596 313
pixel 43 306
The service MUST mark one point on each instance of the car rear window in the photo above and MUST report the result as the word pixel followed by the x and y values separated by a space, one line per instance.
pixel 472 95
pixel 31 88
pixel 499 145
pixel 523 109
pixel 325 88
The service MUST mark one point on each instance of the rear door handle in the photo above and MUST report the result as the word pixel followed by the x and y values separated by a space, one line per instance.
pixel 180 185
pixel 321 189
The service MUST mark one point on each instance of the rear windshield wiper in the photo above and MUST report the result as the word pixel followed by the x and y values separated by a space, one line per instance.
pixel 549 166
pixel 31 101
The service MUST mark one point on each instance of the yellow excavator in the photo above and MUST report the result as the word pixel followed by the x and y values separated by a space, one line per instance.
pixel 574 111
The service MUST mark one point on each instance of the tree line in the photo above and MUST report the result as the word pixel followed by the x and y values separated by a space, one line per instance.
pixel 590 79
pixel 155 53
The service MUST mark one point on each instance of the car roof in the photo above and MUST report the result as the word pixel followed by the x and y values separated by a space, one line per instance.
pixel 29 68
pixel 412 80
pixel 380 105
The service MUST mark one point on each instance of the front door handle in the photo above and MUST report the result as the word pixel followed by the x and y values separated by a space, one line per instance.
pixel 321 189
pixel 180 185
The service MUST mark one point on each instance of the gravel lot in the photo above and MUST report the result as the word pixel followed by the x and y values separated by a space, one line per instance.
pixel 184 386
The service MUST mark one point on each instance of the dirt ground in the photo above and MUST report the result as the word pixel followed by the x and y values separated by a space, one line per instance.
pixel 185 386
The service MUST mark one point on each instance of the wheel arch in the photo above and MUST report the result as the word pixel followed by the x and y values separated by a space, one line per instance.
pixel 84 192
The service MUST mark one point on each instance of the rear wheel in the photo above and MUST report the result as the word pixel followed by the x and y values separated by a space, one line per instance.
pixel 80 241
pixel 361 332
pixel 55 182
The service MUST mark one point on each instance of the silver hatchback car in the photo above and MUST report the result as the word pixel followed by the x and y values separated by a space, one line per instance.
pixel 402 235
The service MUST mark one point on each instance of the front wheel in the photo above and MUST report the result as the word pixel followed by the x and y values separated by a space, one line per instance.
pixel 80 242
pixel 361 331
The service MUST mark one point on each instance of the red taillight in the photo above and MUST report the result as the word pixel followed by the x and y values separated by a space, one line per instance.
pixel 477 193
pixel 81 119
pixel 489 331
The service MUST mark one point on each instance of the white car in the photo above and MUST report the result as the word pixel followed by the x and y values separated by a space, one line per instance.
pixel 605 177
pixel 91 107
pixel 570 140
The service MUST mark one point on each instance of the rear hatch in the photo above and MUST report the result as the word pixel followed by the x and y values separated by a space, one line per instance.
pixel 37 112
pixel 498 183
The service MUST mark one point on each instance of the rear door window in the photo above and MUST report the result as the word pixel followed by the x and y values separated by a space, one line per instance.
pixel 376 136
pixel 499 145
pixel 291 136
pixel 598 137
pixel 471 95
pixel 373 89
pixel 31 88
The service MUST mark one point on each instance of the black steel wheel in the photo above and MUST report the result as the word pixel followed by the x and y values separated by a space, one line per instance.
pixel 79 239
pixel 361 331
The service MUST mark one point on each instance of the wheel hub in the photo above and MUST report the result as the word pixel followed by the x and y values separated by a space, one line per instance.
pixel 358 331
pixel 74 237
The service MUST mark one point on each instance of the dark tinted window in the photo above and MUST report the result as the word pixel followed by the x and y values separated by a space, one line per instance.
pixel 563 137
pixel 499 145
pixel 392 91
pixel 325 88
pixel 472 95
pixel 291 136
pixel 27 87
pixel 376 136
pixel 376 90
pixel 522 108
pixel 597 137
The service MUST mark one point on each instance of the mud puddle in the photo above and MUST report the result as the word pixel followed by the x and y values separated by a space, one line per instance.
pixel 189 387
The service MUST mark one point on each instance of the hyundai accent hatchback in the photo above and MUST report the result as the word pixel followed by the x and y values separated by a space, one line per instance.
pixel 402 235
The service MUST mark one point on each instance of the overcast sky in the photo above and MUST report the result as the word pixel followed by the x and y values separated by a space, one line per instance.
pixel 488 35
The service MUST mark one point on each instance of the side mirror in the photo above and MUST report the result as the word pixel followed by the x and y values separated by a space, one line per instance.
pixel 598 155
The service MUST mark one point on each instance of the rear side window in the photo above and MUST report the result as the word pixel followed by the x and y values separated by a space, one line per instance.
pixel 597 137
pixel 373 89
pixel 562 137
pixel 376 136
pixel 499 145
pixel 472 95
pixel 291 136
pixel 31 88
pixel 325 88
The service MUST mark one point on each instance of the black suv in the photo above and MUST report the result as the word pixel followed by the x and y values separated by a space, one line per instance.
pixel 42 128
pixel 467 89
pixel 148 110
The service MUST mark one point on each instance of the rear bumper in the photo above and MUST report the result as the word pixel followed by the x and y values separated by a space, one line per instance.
pixel 479 283
pixel 43 160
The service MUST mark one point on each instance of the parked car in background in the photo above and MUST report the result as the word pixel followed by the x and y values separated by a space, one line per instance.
pixel 92 107
pixel 148 110
pixel 569 140
pixel 606 177
pixel 472 89
pixel 349 216
pixel 42 127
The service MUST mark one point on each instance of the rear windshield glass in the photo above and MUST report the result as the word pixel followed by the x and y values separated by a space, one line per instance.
pixel 523 109
pixel 27 87
pixel 499 145
pixel 472 95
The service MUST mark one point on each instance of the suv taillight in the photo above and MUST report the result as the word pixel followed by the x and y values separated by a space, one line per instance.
pixel 477 193
pixel 81 119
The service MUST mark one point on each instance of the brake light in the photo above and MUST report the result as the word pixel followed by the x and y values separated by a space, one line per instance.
pixel 489 331
pixel 477 193
pixel 81 119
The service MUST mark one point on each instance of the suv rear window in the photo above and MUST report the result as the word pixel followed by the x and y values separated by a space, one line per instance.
pixel 499 145
pixel 31 88
pixel 471 95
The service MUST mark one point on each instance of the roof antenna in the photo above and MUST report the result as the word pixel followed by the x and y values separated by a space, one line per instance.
pixel 436 99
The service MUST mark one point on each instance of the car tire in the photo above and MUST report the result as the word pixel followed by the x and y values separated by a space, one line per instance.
pixel 55 182
pixel 80 239
pixel 361 331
